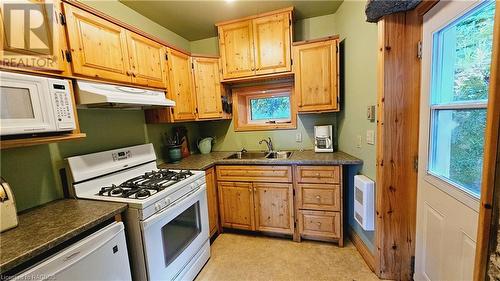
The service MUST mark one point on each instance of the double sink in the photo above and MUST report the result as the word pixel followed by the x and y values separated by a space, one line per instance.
pixel 261 155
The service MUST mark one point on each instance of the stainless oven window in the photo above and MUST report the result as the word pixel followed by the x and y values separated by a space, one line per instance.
pixel 15 103
pixel 180 232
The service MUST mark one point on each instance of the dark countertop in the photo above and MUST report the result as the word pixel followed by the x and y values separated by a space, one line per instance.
pixel 307 157
pixel 47 226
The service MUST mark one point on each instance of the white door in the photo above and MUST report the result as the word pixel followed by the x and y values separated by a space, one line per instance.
pixel 457 43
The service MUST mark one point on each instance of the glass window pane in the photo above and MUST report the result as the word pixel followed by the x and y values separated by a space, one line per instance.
pixel 462 57
pixel 15 103
pixel 457 146
pixel 270 108
pixel 180 232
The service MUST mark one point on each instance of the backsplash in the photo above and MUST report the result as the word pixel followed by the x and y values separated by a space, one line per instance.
pixel 229 140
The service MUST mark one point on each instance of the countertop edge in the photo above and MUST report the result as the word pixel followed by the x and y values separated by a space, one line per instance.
pixel 10 264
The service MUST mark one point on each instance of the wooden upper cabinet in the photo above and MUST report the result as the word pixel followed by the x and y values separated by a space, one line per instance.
pixel 23 48
pixel 98 47
pixel 236 49
pixel 207 87
pixel 272 43
pixel 316 76
pixel 256 45
pixel 147 61
pixel 181 86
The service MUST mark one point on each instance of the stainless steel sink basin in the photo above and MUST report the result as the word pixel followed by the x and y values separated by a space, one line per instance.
pixel 261 155
pixel 247 155
pixel 279 155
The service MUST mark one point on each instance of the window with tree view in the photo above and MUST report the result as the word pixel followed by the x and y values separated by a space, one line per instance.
pixel 270 109
pixel 460 81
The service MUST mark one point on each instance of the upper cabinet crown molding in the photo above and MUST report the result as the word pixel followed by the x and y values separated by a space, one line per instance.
pixel 256 45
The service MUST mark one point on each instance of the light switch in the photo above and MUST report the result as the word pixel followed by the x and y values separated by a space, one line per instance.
pixel 370 137
pixel 298 137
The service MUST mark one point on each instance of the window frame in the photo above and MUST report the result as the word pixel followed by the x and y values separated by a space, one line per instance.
pixel 242 108
pixel 435 107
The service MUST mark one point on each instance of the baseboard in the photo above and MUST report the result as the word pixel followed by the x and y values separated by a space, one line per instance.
pixel 362 249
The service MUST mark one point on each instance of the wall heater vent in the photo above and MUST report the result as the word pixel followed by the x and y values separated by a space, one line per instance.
pixel 364 202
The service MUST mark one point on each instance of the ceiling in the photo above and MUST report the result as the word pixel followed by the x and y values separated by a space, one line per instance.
pixel 195 20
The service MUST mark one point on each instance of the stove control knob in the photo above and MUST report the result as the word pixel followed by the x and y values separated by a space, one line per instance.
pixel 157 206
pixel 167 200
pixel 193 186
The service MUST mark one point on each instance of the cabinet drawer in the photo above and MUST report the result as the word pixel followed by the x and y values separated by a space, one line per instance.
pixel 318 174
pixel 324 197
pixel 319 224
pixel 255 173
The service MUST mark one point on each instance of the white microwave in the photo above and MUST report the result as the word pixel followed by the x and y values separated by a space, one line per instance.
pixel 33 104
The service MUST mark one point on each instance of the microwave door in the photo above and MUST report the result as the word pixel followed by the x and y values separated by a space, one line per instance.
pixel 21 107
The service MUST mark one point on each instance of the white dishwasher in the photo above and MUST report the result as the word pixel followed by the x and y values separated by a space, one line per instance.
pixel 100 256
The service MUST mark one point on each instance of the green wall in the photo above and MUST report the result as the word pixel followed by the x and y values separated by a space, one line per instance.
pixel 208 46
pixel 33 172
pixel 229 140
pixel 123 13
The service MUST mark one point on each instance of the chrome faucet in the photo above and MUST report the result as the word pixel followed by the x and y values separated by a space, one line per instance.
pixel 269 144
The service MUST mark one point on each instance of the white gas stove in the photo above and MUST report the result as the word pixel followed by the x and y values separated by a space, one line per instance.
pixel 165 207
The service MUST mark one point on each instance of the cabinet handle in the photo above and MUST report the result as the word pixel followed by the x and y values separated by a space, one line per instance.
pixel 133 73
pixel 128 72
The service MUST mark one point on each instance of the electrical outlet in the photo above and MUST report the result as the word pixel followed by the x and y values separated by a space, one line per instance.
pixel 298 137
pixel 359 141
pixel 370 137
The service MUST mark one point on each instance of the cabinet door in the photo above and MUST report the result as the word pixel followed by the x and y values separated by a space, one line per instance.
pixel 180 86
pixel 213 214
pixel 274 207
pixel 207 88
pixel 39 48
pixel 316 77
pixel 147 61
pixel 236 205
pixel 236 49
pixel 272 43
pixel 98 47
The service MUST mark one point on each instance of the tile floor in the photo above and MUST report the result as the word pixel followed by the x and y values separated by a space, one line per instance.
pixel 245 257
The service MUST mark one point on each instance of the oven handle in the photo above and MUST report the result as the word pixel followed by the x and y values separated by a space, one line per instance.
pixel 188 197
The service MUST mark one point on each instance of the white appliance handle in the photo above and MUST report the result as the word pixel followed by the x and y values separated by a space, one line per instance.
pixel 328 142
pixel 160 215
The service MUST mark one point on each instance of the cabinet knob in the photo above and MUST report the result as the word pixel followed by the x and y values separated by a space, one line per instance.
pixel 318 197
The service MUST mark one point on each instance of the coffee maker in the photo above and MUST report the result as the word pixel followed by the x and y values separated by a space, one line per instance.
pixel 323 138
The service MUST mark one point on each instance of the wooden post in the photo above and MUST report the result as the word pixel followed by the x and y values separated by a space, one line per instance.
pixel 490 187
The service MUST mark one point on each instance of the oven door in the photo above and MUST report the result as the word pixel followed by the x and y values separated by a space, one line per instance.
pixel 25 105
pixel 174 236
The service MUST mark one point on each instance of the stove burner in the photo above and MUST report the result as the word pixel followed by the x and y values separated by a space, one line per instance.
pixel 142 187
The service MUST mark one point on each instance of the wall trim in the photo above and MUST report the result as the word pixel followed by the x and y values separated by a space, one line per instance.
pixel 366 254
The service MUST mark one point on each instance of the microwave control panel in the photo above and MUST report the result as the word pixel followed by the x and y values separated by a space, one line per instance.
pixel 63 105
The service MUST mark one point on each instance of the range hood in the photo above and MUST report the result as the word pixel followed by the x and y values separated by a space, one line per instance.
pixel 95 94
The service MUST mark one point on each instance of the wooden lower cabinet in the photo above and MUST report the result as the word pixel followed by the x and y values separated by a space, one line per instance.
pixel 213 210
pixel 319 203
pixel 236 205
pixel 320 224
pixel 306 203
pixel 273 207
